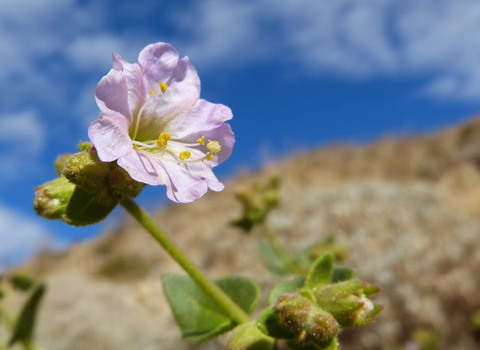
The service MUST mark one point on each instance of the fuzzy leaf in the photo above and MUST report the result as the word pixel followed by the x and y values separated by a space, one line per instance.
pixel 321 272
pixel 197 314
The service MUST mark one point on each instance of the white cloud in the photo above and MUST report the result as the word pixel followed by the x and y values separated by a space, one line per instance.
pixel 369 38
pixel 22 140
pixel 21 237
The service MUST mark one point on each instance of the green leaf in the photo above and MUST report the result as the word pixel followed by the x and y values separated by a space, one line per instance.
pixel 342 273
pixel 321 272
pixel 273 259
pixel 248 337
pixel 197 314
pixel 26 320
pixel 290 286
pixel 84 210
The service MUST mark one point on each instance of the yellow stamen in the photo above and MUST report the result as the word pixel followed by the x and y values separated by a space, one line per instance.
pixel 163 139
pixel 152 92
pixel 163 86
pixel 209 156
pixel 201 140
pixel 185 155
pixel 214 146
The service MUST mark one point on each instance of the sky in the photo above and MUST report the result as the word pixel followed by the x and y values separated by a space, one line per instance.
pixel 297 75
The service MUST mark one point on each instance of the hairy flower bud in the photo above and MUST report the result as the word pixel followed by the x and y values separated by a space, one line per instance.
pixel 348 302
pixel 309 324
pixel 51 198
pixel 106 181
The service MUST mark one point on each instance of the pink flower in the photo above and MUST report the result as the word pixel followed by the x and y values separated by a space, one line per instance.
pixel 154 124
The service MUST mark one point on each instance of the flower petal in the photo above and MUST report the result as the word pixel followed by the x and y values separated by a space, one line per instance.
pixel 203 115
pixel 111 95
pixel 110 138
pixel 183 185
pixel 158 62
pixel 134 80
pixel 182 93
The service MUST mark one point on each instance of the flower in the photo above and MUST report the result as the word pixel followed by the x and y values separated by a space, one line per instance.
pixel 154 124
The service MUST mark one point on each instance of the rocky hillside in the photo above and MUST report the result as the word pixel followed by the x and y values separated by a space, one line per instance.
pixel 408 211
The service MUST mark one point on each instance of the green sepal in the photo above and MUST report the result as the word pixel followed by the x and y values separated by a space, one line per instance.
pixel 51 198
pixel 197 314
pixel 342 273
pixel 24 327
pixel 248 337
pixel 83 209
pixel 321 272
pixel 269 324
pixel 289 286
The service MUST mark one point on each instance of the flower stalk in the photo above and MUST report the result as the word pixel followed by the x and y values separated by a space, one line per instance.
pixel 232 309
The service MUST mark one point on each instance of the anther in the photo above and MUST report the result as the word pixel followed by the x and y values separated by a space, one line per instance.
pixel 214 146
pixel 185 155
pixel 163 86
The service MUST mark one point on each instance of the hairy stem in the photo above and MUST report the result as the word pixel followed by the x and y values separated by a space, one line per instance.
pixel 223 300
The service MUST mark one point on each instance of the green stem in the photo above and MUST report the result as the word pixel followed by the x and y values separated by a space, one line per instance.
pixel 223 300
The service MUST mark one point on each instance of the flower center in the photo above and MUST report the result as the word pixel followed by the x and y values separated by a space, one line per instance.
pixel 167 149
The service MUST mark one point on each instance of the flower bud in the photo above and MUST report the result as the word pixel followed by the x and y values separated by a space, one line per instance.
pixel 293 311
pixel 106 181
pixel 51 198
pixel 309 324
pixel 348 302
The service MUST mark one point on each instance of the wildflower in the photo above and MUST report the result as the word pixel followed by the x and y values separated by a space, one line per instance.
pixel 154 124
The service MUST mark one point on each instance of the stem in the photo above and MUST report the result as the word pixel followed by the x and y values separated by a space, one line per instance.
pixel 222 299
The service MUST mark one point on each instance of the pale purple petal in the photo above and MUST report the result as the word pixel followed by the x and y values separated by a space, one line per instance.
pixel 110 138
pixel 203 115
pixel 111 95
pixel 136 90
pixel 183 186
pixel 182 93
pixel 158 62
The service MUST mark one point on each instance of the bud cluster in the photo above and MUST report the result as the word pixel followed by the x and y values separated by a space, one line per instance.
pixel 87 189
pixel 257 203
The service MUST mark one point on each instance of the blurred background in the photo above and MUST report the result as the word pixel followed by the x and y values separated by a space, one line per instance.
pixel 298 75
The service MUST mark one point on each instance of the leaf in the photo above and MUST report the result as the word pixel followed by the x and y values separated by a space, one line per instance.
pixel 197 314
pixel 26 320
pixel 321 272
pixel 342 273
pixel 248 337
pixel 273 260
pixel 84 210
pixel 290 286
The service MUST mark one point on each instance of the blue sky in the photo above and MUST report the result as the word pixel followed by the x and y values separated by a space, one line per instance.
pixel 297 75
